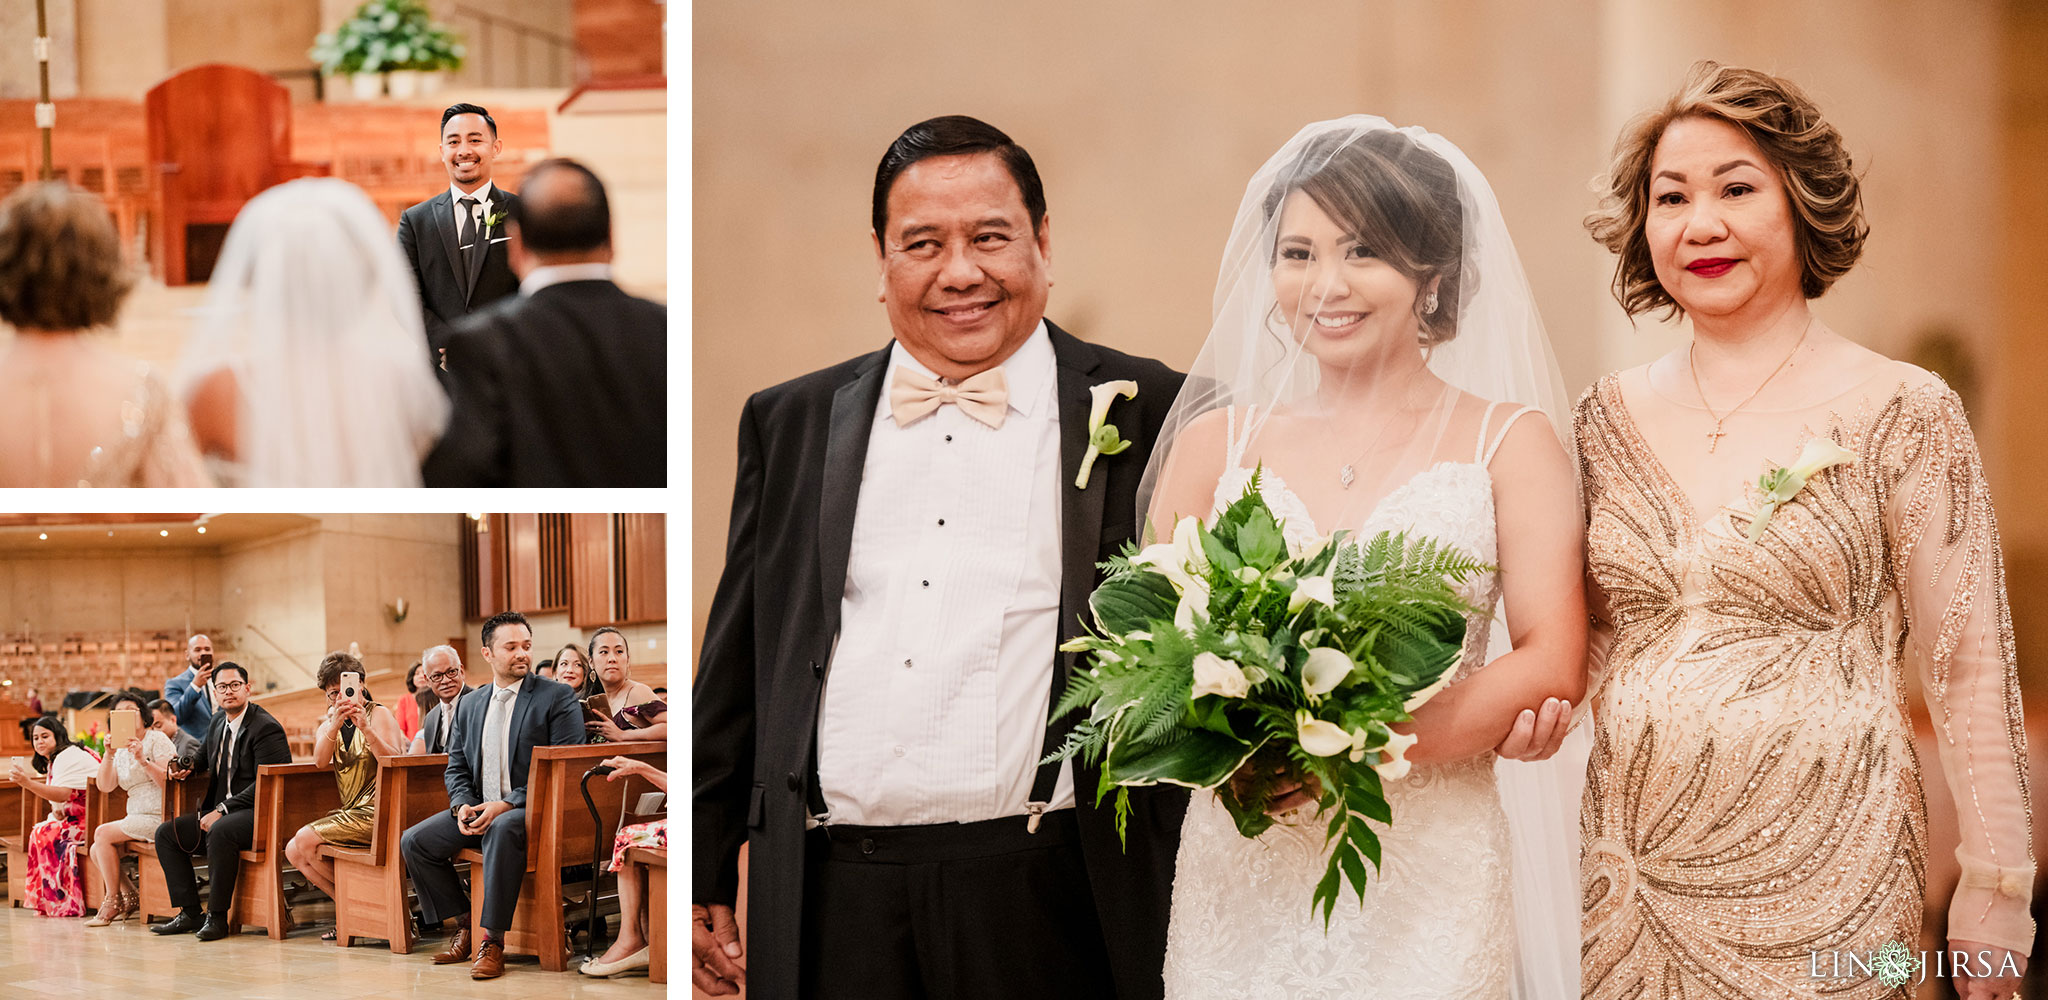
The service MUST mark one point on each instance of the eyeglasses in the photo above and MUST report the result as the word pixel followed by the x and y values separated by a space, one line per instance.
pixel 229 685
pixel 443 675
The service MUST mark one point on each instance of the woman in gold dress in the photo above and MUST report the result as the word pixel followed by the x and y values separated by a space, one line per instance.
pixel 1754 823
pixel 355 736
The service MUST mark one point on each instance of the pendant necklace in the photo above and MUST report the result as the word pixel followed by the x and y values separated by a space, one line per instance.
pixel 1714 436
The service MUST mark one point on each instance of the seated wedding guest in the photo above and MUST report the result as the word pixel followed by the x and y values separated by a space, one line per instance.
pixel 137 768
pixel 570 327
pixel 496 729
pixel 164 719
pixel 444 678
pixel 242 737
pixel 74 412
pixel 572 667
pixel 414 705
pixel 191 692
pixel 635 713
pixel 354 737
pixel 58 773
pixel 546 669
pixel 303 368
pixel 629 951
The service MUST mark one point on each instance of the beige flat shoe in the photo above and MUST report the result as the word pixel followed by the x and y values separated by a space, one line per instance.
pixel 636 963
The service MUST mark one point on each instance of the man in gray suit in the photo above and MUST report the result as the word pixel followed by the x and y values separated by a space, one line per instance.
pixel 496 728
pixel 443 666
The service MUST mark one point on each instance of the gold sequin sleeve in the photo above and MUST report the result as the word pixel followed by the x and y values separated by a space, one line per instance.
pixel 1951 577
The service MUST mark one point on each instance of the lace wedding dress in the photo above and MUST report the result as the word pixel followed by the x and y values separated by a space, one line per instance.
pixel 1437 919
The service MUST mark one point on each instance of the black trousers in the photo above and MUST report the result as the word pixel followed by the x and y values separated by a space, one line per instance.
pixel 429 850
pixel 981 910
pixel 179 840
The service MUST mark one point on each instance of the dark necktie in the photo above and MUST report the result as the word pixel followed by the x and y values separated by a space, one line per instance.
pixel 469 247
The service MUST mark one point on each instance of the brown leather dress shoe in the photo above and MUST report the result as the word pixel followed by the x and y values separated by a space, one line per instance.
pixel 457 950
pixel 490 960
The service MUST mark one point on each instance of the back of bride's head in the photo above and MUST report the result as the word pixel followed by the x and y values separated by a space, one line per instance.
pixel 314 309
pixel 1395 196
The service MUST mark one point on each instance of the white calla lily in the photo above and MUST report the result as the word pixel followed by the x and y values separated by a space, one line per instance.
pixel 1105 394
pixel 1780 485
pixel 1820 453
pixel 1325 669
pixel 1393 764
pixel 1194 604
pixel 1179 559
pixel 1319 589
pixel 1319 738
pixel 1218 676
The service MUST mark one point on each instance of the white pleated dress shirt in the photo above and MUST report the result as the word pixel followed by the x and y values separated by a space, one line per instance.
pixel 935 702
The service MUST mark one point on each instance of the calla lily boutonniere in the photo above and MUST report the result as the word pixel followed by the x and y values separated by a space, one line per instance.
pixel 495 219
pixel 1782 484
pixel 1102 437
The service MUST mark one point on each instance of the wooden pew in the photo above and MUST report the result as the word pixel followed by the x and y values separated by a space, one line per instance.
pixel 100 807
pixel 288 796
pixel 180 798
pixel 657 909
pixel 370 884
pixel 559 833
pixel 17 814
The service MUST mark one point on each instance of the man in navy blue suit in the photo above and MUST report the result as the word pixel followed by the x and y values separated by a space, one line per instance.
pixel 496 728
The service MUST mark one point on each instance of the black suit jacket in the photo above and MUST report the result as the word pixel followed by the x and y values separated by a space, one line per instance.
pixel 431 724
pixel 543 715
pixel 262 741
pixel 775 617
pixel 433 245
pixel 565 387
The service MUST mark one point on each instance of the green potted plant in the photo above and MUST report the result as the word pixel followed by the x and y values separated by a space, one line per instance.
pixel 389 46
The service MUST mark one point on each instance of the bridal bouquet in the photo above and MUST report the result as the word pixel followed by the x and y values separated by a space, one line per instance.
pixel 1224 652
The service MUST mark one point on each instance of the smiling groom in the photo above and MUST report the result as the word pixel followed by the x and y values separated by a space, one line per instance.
pixel 455 241
pixel 911 539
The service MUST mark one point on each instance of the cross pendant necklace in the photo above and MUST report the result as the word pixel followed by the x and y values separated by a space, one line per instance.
pixel 1714 436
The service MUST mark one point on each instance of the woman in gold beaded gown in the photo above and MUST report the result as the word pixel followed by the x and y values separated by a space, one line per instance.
pixel 354 737
pixel 1754 823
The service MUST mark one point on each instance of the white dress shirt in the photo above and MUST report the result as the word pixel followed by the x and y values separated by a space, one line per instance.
pixel 227 754
pixel 447 720
pixel 498 720
pixel 555 274
pixel 935 704
pixel 484 196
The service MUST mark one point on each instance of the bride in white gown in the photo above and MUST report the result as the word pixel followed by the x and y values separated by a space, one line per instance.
pixel 1377 357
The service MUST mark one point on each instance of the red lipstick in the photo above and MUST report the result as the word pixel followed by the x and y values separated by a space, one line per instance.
pixel 1710 267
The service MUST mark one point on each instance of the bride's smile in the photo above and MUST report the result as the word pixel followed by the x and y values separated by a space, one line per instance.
pixel 1342 300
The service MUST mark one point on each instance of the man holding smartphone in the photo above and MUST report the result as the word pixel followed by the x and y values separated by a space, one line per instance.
pixel 190 693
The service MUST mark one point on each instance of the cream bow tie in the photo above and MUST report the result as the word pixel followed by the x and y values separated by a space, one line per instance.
pixel 984 397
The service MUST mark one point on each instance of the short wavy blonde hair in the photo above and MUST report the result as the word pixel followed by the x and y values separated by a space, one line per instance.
pixel 60 260
pixel 1807 151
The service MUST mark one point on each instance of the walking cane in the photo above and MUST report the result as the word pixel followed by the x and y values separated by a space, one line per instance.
pixel 596 852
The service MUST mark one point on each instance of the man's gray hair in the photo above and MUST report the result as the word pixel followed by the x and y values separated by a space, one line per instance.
pixel 450 650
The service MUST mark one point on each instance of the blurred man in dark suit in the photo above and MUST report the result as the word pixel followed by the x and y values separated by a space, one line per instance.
pixel 567 384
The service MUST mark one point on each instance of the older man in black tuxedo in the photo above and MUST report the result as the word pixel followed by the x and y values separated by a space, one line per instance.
pixel 911 540
pixel 241 737
pixel 496 728
pixel 455 240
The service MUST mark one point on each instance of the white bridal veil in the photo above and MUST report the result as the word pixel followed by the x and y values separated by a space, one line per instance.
pixel 1484 338
pixel 314 310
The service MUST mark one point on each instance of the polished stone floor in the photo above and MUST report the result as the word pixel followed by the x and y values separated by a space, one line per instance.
pixel 65 958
